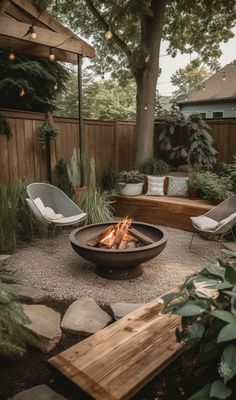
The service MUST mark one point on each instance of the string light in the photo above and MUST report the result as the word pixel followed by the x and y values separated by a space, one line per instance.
pixel 51 56
pixel 203 87
pixel 55 87
pixel 145 107
pixel 108 33
pixel 224 77
pixel 33 33
pixel 11 55
pixel 22 92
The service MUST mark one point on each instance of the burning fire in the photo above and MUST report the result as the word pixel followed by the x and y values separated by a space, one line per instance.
pixel 120 236
pixel 117 236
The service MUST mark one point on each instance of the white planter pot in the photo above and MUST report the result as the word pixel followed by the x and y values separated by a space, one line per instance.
pixel 131 189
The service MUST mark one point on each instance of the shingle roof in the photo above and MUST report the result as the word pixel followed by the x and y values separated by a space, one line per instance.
pixel 216 88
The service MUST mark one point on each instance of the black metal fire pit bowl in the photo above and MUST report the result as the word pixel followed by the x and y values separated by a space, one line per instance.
pixel 114 263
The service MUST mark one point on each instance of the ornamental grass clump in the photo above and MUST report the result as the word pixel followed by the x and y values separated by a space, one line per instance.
pixel 206 303
pixel 96 204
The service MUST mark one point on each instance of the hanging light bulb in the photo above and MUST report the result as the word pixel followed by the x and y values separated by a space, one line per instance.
pixel 55 87
pixel 145 107
pixel 51 56
pixel 11 55
pixel 108 33
pixel 33 33
pixel 22 92
pixel 203 87
pixel 147 58
pixel 224 76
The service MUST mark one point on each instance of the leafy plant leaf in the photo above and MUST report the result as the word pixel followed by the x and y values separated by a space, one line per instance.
pixel 203 394
pixel 219 390
pixel 189 310
pixel 224 316
pixel 229 358
pixel 227 333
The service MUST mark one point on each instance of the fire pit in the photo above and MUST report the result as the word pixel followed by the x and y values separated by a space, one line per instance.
pixel 119 260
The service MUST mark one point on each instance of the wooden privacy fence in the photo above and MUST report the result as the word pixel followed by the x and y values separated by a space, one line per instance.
pixel 108 142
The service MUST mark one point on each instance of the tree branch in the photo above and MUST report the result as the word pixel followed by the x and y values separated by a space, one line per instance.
pixel 105 25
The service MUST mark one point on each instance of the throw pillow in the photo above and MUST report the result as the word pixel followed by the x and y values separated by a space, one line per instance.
pixel 155 185
pixel 178 186
pixel 39 204
pixel 204 223
pixel 50 214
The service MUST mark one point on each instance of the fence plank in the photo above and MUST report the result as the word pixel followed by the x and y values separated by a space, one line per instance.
pixel 108 142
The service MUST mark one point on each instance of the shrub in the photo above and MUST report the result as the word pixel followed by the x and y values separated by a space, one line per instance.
pixel 153 166
pixel 210 186
pixel 134 176
pixel 229 170
pixel 109 178
pixel 206 303
pixel 96 204
pixel 63 181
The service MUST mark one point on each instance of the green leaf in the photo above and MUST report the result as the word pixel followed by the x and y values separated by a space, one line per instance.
pixel 230 275
pixel 227 333
pixel 219 390
pixel 190 310
pixel 229 358
pixel 196 330
pixel 216 270
pixel 224 316
pixel 170 296
pixel 203 394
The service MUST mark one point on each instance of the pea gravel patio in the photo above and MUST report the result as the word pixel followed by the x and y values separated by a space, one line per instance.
pixel 65 275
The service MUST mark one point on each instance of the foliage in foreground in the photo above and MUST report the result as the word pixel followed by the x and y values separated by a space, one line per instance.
pixel 13 335
pixel 97 205
pixel 16 219
pixel 206 303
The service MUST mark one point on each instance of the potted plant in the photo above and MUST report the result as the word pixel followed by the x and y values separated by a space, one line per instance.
pixel 154 166
pixel 130 182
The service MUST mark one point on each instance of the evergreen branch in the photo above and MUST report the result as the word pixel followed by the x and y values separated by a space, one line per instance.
pixel 105 25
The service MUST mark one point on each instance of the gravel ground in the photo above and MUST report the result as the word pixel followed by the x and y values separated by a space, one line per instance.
pixel 65 275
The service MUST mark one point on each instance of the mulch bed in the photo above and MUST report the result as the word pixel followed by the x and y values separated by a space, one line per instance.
pixel 178 381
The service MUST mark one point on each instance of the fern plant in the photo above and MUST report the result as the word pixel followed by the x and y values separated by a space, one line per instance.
pixel 13 334
pixel 47 130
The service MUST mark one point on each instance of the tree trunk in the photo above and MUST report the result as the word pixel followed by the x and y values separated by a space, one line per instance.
pixel 146 81
pixel 145 115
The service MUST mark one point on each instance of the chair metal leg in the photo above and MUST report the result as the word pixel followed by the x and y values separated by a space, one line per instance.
pixel 190 244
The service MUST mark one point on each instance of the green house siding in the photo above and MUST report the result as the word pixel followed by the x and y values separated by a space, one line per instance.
pixel 228 109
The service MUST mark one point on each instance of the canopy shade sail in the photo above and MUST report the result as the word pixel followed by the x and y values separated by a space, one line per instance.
pixel 17 17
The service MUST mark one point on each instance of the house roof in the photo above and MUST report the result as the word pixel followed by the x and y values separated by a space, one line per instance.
pixel 16 18
pixel 220 86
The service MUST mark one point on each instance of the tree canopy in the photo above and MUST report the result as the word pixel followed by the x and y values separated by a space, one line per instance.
pixel 138 27
pixel 190 77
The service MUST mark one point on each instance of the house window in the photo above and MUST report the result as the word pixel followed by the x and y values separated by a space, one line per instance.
pixel 217 114
pixel 203 115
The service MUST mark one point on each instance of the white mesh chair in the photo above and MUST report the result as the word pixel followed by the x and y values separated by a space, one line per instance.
pixel 51 206
pixel 218 221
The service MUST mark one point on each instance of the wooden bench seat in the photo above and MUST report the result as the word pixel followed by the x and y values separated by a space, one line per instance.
pixel 119 360
pixel 161 210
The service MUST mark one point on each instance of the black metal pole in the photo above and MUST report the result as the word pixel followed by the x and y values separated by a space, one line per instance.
pixel 80 113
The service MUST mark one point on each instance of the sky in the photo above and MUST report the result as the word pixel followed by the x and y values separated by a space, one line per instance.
pixel 170 65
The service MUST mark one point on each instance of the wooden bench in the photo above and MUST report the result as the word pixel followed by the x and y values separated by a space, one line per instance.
pixel 161 210
pixel 119 360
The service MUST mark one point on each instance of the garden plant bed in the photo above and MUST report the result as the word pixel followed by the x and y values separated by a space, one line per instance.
pixel 178 381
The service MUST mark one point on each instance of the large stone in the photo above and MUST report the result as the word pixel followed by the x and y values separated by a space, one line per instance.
pixel 40 392
pixel 28 293
pixel 121 309
pixel 4 257
pixel 45 323
pixel 85 316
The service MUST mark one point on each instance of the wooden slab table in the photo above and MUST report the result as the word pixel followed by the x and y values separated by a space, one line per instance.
pixel 119 360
